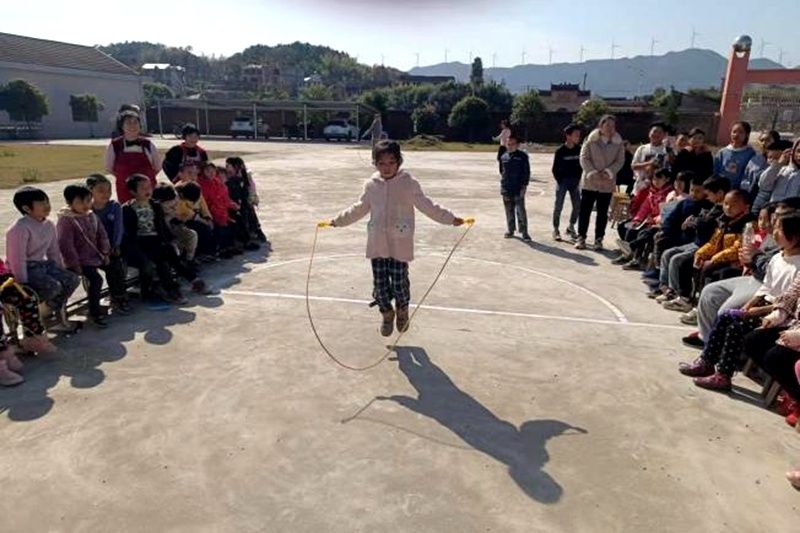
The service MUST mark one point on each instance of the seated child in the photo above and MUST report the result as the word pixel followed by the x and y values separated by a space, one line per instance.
pixel 33 255
pixel 219 205
pixel 109 212
pixel 676 262
pixel 84 245
pixel 238 184
pixel 185 238
pixel 147 243
pixel 724 345
pixel 193 210
pixel 34 339
pixel 640 229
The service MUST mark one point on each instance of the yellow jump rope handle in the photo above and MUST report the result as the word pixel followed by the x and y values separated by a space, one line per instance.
pixel 324 224
pixel 469 221
pixel 11 282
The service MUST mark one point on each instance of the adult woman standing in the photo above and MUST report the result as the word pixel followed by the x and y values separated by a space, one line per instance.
pixel 131 153
pixel 505 133
pixel 602 156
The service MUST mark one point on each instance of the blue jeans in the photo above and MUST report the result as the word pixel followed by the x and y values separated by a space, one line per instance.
pixel 53 284
pixel 667 277
pixel 573 187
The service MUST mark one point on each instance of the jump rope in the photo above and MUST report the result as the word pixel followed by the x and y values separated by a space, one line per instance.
pixel 469 222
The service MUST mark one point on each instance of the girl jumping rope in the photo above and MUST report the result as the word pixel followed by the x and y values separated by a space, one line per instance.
pixel 390 197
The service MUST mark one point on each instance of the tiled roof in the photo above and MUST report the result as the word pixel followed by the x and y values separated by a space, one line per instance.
pixel 19 49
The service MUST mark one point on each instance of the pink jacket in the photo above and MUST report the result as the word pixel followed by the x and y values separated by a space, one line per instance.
pixel 391 203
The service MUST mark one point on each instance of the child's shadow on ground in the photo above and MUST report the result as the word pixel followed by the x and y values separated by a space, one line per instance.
pixel 523 450
pixel 561 252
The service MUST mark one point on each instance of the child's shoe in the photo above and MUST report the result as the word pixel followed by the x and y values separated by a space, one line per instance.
pixel 666 295
pixel 37 344
pixel 699 368
pixel 571 233
pixel 556 235
pixel 625 246
pixel 121 307
pixel 694 340
pixel 508 235
pixel 176 297
pixel 14 364
pixel 621 259
pixel 792 417
pixel 526 237
pixel 580 243
pixel 99 321
pixel 200 287
pixel 387 326
pixel 717 381
pixel 402 319
pixel 633 264
pixel 679 304
pixel 598 245
pixel 8 378
pixel 690 318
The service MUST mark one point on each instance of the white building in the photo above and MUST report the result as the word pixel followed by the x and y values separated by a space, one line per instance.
pixel 62 69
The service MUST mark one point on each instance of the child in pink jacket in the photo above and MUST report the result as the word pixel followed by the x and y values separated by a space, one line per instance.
pixel 390 197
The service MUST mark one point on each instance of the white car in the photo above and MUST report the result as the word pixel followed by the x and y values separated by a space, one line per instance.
pixel 340 129
pixel 243 127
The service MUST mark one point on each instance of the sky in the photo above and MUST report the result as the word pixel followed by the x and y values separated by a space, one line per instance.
pixel 393 32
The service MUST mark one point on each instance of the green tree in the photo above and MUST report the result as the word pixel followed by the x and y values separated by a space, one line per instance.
pixel 446 95
pixel 86 108
pixel 470 116
pixel 23 101
pixel 426 120
pixel 499 99
pixel 476 76
pixel 527 111
pixel 317 91
pixel 590 112
pixel 153 92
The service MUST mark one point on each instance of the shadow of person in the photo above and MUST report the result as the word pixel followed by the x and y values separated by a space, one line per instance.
pixel 561 252
pixel 523 450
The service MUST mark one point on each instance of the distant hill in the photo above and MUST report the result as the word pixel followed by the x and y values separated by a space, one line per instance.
pixel 689 69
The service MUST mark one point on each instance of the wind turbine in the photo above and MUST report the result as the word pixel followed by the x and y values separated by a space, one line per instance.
pixel 653 43
pixel 695 35
pixel 582 51
pixel 764 44
pixel 614 47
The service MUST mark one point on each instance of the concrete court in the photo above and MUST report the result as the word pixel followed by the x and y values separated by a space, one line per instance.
pixel 541 393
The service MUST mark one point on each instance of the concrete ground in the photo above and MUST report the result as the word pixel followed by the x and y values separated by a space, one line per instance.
pixel 539 392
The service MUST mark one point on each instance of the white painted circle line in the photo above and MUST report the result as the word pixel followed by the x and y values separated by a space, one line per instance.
pixel 464 310
pixel 616 311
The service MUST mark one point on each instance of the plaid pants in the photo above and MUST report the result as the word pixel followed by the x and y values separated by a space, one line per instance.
pixel 390 281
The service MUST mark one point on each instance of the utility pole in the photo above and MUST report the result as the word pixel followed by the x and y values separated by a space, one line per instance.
pixel 550 51
pixel 695 35
pixel 446 51
pixel 584 80
pixel 417 54
pixel 780 56
pixel 614 47
pixel 524 53
pixel 653 43
pixel 582 51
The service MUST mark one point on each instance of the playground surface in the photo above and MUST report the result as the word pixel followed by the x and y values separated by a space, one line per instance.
pixel 537 391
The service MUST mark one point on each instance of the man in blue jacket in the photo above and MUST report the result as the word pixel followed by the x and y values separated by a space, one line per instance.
pixel 513 184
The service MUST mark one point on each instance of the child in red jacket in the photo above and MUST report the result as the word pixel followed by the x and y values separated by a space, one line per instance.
pixel 646 209
pixel 220 205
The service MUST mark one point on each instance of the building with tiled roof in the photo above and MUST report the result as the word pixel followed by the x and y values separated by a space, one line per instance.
pixel 61 70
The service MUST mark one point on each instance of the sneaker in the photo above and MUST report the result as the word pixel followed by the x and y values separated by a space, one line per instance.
pixel 654 293
pixel 598 245
pixel 37 344
pixel 402 319
pixel 633 264
pixel 200 287
pixel 99 321
pixel 387 326
pixel 693 340
pixel 621 260
pixel 11 359
pixel 8 378
pixel 120 307
pixel 653 273
pixel 666 295
pixel 718 382
pixel 699 368
pixel 572 234
pixel 690 318
pixel 580 243
pixel 526 237
pixel 508 235
pixel 625 246
pixel 679 304
pixel 557 235
pixel 792 417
